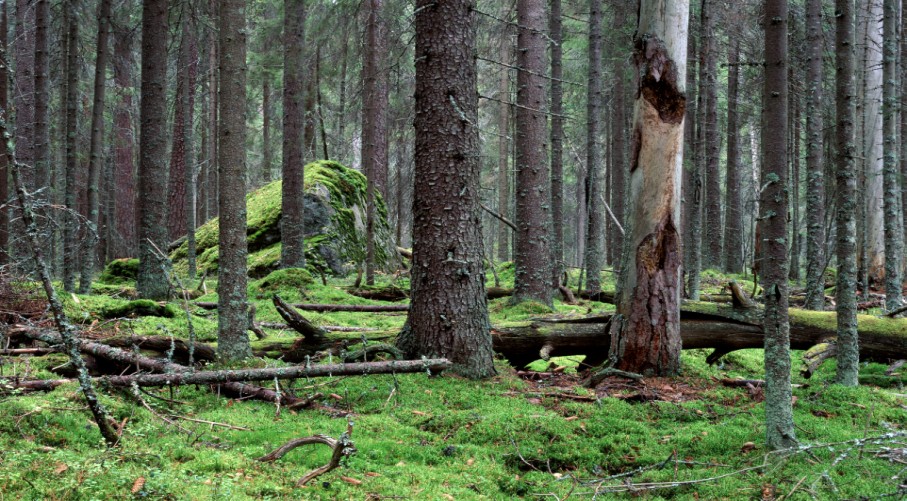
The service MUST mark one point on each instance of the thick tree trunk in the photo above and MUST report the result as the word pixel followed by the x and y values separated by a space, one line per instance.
pixel 695 193
pixel 846 182
pixel 448 314
pixel 815 161
pixel 95 155
pixel 711 152
pixel 691 142
pixel 70 196
pixel 894 238
pixel 595 228
pixel 557 143
pixel 733 210
pixel 532 251
pixel 180 168
pixel 779 421
pixel 233 320
pixel 292 253
pixel 503 180
pixel 646 336
pixel 4 165
pixel 151 280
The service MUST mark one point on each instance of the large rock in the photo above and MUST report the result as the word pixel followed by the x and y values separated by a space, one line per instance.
pixel 334 225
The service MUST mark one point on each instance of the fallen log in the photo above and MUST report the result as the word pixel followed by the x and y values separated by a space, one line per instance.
pixel 311 332
pixel 364 308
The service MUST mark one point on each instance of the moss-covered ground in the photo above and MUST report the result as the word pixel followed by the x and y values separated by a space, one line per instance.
pixel 421 437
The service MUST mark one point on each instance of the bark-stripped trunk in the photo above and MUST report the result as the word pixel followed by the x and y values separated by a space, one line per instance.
pixel 894 238
pixel 595 229
pixel 151 281
pixel 815 161
pixel 70 221
pixel 532 251
pixel 96 154
pixel 712 207
pixel 232 304
pixel 733 211
pixel 291 223
pixel 773 207
pixel 448 313
pixel 645 338
pixel 847 200
pixel 557 143
pixel 374 124
pixel 124 147
pixel 503 180
pixel 180 169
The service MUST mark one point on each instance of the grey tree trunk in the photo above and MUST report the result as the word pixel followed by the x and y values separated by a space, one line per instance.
pixel 645 338
pixel 70 219
pixel 180 169
pixel 595 229
pixel 41 139
pixel 773 204
pixel 24 88
pixel 815 161
pixel 190 173
pixel 618 182
pixel 894 238
pixel 903 143
pixel 691 143
pixel 232 303
pixel 846 182
pixel 503 180
pixel 151 281
pixel 557 142
pixel 95 155
pixel 448 314
pixel 733 216
pixel 695 194
pixel 711 153
pixel 374 124
pixel 532 249
pixel 124 146
pixel 292 253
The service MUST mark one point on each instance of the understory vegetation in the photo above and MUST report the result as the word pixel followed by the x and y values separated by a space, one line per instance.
pixel 528 432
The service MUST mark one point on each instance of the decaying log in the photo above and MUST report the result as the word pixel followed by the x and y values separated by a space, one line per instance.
pixel 162 344
pixel 390 293
pixel 342 447
pixel 11 385
pixel 365 308
pixel 27 351
pixel 311 332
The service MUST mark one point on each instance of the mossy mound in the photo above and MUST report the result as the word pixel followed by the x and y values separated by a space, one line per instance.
pixel 120 271
pixel 335 205
pixel 297 278
pixel 138 308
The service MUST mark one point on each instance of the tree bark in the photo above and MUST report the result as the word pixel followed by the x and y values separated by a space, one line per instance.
pixel 695 193
pixel 846 181
pixel 4 165
pixel 733 216
pixel 266 154
pixel 711 153
pixel 779 421
pixel 646 337
pixel 292 253
pixel 41 139
pixel 232 307
pixel 619 172
pixel 815 161
pixel 70 198
pixel 503 180
pixel 448 314
pixel 151 281
pixel 95 155
pixel 557 143
pixel 24 88
pixel 894 238
pixel 180 154
pixel 124 146
pixel 532 250
pixel 595 229
pixel 374 125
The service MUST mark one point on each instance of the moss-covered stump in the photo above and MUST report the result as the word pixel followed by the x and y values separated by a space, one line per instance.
pixel 335 213
pixel 138 308
pixel 120 271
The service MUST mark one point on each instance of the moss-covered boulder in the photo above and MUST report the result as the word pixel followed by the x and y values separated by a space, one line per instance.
pixel 335 205
pixel 120 271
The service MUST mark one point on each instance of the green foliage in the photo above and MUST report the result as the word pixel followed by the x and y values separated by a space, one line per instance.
pixel 120 271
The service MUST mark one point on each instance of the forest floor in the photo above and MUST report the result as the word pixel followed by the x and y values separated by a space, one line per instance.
pixel 529 432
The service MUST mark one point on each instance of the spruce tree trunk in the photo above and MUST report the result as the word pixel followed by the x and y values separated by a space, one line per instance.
pixel 894 238
pixel 232 304
pixel 595 229
pixel 96 155
pixel 696 195
pixel 503 180
pixel 903 143
pixel 815 161
pixel 24 89
pixel 266 154
pixel 712 207
pixel 873 253
pixel 795 239
pixel 847 200
pixel 645 338
pixel 532 249
pixel 124 147
pixel 152 281
pixel 733 216
pixel 374 125
pixel 691 142
pixel 41 139
pixel 618 182
pixel 773 205
pixel 190 174
pixel 70 220
pixel 557 143
pixel 180 169
pixel 448 314
pixel 4 164
pixel 291 223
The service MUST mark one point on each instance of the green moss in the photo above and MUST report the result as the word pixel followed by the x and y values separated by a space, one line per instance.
pixel 138 308
pixel 120 271
pixel 288 278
